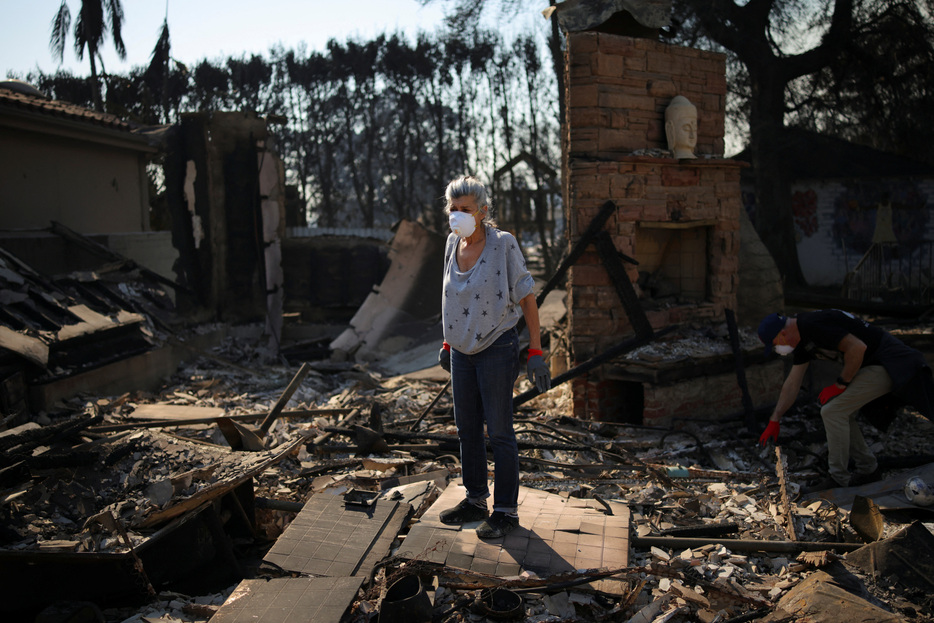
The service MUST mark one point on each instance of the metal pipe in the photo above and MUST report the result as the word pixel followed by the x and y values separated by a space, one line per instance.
pixel 741 545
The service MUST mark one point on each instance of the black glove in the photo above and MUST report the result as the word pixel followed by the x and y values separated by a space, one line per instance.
pixel 538 374
pixel 444 358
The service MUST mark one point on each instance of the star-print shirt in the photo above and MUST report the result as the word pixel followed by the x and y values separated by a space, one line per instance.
pixel 480 304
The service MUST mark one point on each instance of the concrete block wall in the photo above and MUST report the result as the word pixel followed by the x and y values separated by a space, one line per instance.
pixel 50 254
pixel 152 249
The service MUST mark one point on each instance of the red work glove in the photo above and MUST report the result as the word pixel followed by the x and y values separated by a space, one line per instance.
pixel 771 432
pixel 829 392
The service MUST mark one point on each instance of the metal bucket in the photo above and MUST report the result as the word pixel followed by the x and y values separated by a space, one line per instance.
pixel 500 603
pixel 406 602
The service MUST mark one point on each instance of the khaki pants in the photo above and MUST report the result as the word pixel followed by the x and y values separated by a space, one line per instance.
pixel 844 438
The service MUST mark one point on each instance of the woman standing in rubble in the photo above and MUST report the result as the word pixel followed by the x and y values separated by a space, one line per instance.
pixel 486 288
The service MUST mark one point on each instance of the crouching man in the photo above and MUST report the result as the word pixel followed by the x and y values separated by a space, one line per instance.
pixel 874 364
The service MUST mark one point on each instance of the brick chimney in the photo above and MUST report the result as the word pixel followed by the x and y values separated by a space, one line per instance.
pixel 679 219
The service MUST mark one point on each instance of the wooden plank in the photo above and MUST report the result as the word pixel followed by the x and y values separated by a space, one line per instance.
pixel 31 348
pixel 140 372
pixel 91 322
pixel 168 412
pixel 218 489
pixel 707 222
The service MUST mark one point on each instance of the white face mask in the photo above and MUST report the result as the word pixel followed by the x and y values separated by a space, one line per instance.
pixel 462 224
pixel 783 349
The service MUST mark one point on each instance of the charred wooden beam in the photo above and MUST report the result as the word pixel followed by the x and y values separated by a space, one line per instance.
pixel 701 530
pixel 611 353
pixel 430 406
pixel 613 264
pixel 248 417
pixel 742 545
pixel 749 410
pixel 786 504
pixel 101 251
pixel 12 446
pixel 595 226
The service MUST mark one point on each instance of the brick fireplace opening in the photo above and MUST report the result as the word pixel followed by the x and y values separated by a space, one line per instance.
pixel 677 218
pixel 672 263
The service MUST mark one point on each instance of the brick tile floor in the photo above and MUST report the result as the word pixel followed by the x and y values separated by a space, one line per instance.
pixel 554 535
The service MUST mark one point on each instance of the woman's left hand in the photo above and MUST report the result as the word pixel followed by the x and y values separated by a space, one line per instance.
pixel 538 374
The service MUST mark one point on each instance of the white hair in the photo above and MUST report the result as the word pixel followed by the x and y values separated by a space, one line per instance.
pixel 468 186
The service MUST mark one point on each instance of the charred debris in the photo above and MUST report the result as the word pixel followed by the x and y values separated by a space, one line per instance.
pixel 233 482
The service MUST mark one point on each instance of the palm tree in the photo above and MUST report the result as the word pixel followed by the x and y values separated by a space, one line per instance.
pixel 90 32
pixel 156 76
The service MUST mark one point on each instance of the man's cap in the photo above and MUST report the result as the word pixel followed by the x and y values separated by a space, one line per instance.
pixel 770 326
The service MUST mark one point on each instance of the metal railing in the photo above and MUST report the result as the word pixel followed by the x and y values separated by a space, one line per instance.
pixel 893 273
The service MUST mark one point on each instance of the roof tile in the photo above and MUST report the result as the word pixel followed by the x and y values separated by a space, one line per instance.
pixel 61 109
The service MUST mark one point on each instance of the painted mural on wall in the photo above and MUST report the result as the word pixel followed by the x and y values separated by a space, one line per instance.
pixel 892 212
pixel 837 221
pixel 851 216
pixel 804 209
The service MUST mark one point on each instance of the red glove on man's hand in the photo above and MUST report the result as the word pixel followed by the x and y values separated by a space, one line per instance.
pixel 829 392
pixel 771 432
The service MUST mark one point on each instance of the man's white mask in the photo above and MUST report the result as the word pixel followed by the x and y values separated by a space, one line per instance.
pixel 783 349
pixel 462 224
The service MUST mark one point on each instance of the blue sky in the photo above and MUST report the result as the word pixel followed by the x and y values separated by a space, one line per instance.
pixel 209 29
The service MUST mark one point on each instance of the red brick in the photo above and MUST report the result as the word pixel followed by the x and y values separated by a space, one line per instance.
pixel 620 140
pixel 579 72
pixel 588 117
pixel 661 88
pixel 613 97
pixel 627 187
pixel 629 209
pixel 587 95
pixel 635 64
pixel 618 119
pixel 582 276
pixel 582 43
pixel 616 44
pixel 655 212
pixel 597 186
pixel 607 65
pixel 680 176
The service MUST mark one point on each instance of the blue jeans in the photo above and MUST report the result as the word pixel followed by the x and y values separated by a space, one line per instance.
pixel 482 385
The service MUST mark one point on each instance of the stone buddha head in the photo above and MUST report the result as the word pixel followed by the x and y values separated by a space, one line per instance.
pixel 681 127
